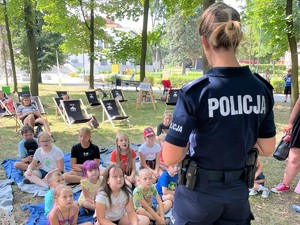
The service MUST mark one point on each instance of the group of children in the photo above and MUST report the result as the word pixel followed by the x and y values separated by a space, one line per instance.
pixel 120 194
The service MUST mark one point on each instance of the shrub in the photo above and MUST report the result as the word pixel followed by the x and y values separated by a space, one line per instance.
pixel 73 74
pixel 278 85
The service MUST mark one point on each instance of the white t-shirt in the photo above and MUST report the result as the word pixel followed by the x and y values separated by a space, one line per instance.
pixel 117 210
pixel 48 159
pixel 150 152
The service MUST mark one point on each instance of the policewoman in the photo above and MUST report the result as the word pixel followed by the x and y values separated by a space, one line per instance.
pixel 229 111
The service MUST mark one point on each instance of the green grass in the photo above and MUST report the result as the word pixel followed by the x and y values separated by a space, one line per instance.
pixel 275 210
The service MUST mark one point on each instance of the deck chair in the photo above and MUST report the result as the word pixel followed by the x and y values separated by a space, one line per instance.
pixel 58 108
pixel 5 114
pixel 172 97
pixel 92 98
pixel 75 112
pixel 118 94
pixel 61 93
pixel 110 108
pixel 20 94
pixel 37 101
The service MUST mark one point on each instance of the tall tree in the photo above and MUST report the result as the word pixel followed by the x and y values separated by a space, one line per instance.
pixel 32 47
pixel 144 41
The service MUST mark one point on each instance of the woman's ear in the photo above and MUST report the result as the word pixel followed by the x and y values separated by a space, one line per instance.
pixel 205 43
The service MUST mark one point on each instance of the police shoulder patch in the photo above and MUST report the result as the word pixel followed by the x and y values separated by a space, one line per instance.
pixel 192 83
pixel 264 81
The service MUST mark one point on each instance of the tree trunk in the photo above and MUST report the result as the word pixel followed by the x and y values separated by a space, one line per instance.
pixel 3 47
pixel 92 47
pixel 29 24
pixel 206 4
pixel 294 56
pixel 144 41
pixel 11 52
pixel 183 68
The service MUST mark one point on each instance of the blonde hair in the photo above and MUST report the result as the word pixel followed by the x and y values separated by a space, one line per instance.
pixel 128 152
pixel 25 97
pixel 43 134
pixel 59 189
pixel 167 114
pixel 220 25
pixel 86 131
pixel 53 176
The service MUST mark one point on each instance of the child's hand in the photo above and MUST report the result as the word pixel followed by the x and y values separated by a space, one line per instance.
pixel 161 221
pixel 156 173
pixel 29 158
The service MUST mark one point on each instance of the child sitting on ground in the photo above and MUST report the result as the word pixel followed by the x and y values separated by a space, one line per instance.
pixel 259 182
pixel 26 147
pixel 163 127
pixel 64 211
pixel 55 179
pixel 84 150
pixel 50 158
pixel 142 198
pixel 114 203
pixel 167 183
pixel 149 153
pixel 125 156
pixel 90 184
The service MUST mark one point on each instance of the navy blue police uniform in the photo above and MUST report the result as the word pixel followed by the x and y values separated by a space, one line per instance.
pixel 227 110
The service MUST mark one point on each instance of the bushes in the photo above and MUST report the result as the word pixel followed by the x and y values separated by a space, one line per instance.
pixel 278 85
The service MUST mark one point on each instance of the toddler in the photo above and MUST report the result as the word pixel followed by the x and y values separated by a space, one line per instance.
pixel 90 184
pixel 259 182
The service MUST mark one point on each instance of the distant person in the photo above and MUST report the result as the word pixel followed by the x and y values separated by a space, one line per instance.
pixel 288 85
pixel 267 75
pixel 8 102
pixel 165 125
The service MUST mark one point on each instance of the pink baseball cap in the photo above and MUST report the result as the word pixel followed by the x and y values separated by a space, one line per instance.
pixel 148 131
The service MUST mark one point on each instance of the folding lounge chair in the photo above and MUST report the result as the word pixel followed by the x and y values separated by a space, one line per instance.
pixel 110 108
pixel 61 93
pixel 118 94
pixel 6 114
pixel 92 98
pixel 172 97
pixel 37 101
pixel 58 108
pixel 73 111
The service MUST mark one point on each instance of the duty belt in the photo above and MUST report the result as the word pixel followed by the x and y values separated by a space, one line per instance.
pixel 222 176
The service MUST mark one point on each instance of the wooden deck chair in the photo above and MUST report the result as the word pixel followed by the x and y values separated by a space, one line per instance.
pixel 61 93
pixel 20 94
pixel 5 114
pixel 58 108
pixel 172 97
pixel 75 112
pixel 92 98
pixel 118 94
pixel 110 108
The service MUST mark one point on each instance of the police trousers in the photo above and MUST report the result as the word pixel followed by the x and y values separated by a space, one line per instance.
pixel 212 203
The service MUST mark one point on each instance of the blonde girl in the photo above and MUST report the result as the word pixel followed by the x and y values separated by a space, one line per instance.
pixel 90 184
pixel 81 152
pixel 30 115
pixel 114 204
pixel 125 157
pixel 64 211
pixel 49 157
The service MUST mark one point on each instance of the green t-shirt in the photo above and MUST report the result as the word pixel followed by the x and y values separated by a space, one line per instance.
pixel 139 194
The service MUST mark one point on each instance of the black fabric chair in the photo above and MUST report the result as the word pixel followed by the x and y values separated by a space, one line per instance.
pixel 172 97
pixel 23 93
pixel 61 93
pixel 58 108
pixel 118 94
pixel 75 112
pixel 110 109
pixel 92 98
pixel 38 103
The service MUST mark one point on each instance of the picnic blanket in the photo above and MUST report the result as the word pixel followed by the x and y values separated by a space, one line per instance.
pixel 6 196
pixel 17 175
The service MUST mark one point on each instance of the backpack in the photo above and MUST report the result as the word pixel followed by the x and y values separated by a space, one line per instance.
pixel 30 146
pixel 94 123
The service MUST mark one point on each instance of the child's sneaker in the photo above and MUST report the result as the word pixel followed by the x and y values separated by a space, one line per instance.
pixel 296 208
pixel 252 192
pixel 280 188
pixel 265 193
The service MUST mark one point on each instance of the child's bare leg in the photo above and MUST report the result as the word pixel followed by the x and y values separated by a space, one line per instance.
pixel 168 197
pixel 141 211
pixel 34 177
pixel 88 205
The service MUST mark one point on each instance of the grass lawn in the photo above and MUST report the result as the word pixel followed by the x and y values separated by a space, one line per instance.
pixel 275 210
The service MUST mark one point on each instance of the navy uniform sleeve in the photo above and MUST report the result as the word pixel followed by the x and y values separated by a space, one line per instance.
pixel 184 116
